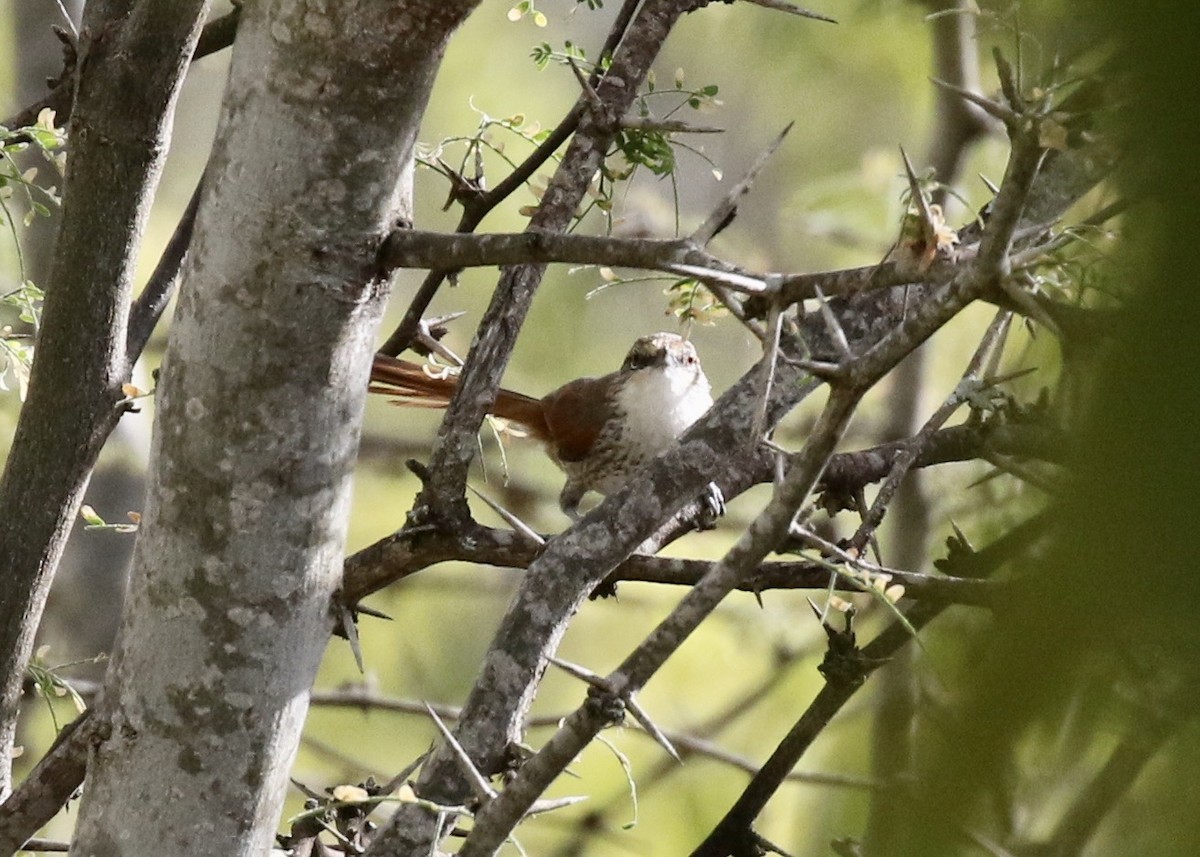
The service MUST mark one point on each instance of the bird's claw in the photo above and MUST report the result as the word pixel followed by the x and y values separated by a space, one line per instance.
pixel 712 507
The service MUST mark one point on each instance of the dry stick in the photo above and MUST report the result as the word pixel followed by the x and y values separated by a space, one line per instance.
pixel 50 784
pixel 216 36
pixel 1095 800
pixel 735 828
pixel 156 294
pixel 485 723
pixel 496 820
pixel 477 208
pixel 913 447
pixel 733 833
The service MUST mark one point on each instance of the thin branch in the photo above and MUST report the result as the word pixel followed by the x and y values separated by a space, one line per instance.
pixel 479 207
pixel 727 208
pixel 791 9
pixel 494 821
pixel 966 386
pixel 411 248
pixel 842 684
pixel 405 553
pixel 50 784
pixel 216 36
pixel 490 709
pixel 146 311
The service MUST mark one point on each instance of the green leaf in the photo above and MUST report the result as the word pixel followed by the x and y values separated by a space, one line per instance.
pixel 89 515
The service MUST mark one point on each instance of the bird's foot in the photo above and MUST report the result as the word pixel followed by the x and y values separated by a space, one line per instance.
pixel 712 507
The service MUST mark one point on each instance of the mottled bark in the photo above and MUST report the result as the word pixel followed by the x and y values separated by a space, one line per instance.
pixel 131 63
pixel 259 404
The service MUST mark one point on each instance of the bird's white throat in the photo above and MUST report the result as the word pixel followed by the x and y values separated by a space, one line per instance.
pixel 660 404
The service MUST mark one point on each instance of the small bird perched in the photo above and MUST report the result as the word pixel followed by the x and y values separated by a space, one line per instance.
pixel 597 430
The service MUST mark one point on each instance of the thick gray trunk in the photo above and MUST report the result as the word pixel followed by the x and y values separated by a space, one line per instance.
pixel 259 404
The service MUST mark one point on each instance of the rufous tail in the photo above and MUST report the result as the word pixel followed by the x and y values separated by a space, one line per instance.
pixel 414 385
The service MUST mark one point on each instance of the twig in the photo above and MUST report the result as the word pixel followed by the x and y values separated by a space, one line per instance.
pixel 495 820
pixel 791 9
pixel 479 207
pixel 441 498
pixel 50 784
pixel 479 783
pixel 727 207
pixel 217 35
pixel 839 688
pixel 913 447
pixel 156 294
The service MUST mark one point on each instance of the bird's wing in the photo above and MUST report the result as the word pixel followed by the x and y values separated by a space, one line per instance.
pixel 576 414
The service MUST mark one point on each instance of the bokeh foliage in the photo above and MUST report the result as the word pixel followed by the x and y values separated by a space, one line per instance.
pixel 1023 704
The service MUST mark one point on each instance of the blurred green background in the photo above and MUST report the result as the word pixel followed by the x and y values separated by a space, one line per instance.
pixel 829 199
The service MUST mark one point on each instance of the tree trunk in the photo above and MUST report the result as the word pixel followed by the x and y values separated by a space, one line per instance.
pixel 130 68
pixel 259 405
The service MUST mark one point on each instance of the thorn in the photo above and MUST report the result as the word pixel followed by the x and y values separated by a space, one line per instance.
pixel 991 108
pixel 306 791
pixel 582 673
pixel 550 805
pixel 640 715
pixel 728 205
pixel 398 780
pixel 350 626
pixel 833 325
pixel 589 92
pixel 512 520
pixel 918 195
pixel 737 282
pixel 961 536
pixel 479 783
pixel 363 610
pixel 791 9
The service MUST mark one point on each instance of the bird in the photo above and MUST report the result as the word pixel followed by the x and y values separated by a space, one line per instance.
pixel 597 430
